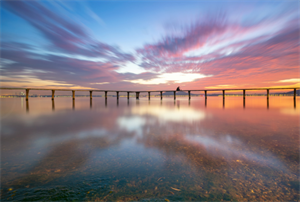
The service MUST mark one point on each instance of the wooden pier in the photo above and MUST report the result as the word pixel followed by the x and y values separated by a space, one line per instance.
pixel 137 93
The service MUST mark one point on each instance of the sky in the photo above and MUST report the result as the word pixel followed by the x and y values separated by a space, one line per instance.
pixel 150 45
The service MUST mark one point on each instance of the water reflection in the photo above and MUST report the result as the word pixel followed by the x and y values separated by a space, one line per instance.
pixel 53 105
pixel 150 150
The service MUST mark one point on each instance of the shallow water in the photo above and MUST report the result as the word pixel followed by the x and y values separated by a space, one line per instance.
pixel 150 150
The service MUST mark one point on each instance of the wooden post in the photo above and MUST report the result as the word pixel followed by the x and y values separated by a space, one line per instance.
pixel 53 91
pixel 128 95
pixel 27 93
pixel 91 94
pixel 161 95
pixel 174 95
pixel 148 95
pixel 137 94
pixel 295 94
pixel 268 93
pixel 189 95
pixel 105 95
pixel 244 98
pixel 73 94
pixel 205 92
pixel 223 94
pixel 117 95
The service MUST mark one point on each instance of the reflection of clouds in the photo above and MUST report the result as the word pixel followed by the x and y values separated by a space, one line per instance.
pixel 131 124
pixel 170 114
pixel 289 111
pixel 231 148
pixel 94 133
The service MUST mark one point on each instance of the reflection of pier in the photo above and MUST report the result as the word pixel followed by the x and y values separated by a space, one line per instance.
pixel 137 93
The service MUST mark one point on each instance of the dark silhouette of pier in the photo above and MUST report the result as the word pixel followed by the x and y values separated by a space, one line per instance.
pixel 137 93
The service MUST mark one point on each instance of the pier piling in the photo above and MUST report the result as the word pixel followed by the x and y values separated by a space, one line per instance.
pixel 53 91
pixel 295 93
pixel 117 95
pixel 161 95
pixel 268 94
pixel 127 95
pixel 105 95
pixel 73 94
pixel 148 95
pixel 174 95
pixel 137 95
pixel 223 94
pixel 91 94
pixel 189 95
pixel 27 93
pixel 205 92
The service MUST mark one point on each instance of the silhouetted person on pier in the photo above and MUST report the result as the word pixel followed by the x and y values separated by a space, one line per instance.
pixel 178 89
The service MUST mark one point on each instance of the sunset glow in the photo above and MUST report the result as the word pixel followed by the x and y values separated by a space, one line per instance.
pixel 150 45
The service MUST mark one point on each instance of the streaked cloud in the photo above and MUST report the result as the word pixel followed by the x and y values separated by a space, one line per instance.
pixel 254 46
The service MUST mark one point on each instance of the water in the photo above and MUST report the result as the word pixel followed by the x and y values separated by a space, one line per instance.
pixel 150 150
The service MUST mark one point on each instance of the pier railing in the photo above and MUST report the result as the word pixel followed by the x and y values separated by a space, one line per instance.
pixel 152 91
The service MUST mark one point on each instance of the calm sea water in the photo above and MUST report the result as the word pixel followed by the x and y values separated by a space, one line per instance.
pixel 150 150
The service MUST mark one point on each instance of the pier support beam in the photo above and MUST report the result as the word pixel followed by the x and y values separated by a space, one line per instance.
pixel 148 95
pixel 174 95
pixel 205 92
pixel 53 91
pixel 160 95
pixel 137 94
pixel 117 95
pixel 244 98
pixel 91 94
pixel 223 94
pixel 73 94
pixel 268 93
pixel 27 93
pixel 295 97
pixel 128 95
pixel 105 95
pixel 189 94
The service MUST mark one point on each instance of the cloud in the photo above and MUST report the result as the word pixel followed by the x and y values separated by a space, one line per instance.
pixel 234 54
pixel 73 56
pixel 65 35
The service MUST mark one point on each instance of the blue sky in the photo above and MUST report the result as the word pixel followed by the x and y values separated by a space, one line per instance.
pixel 149 44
